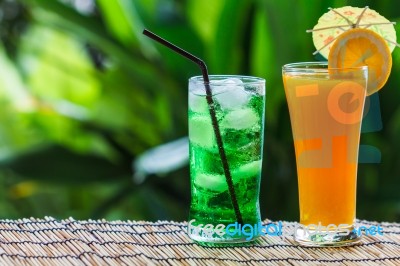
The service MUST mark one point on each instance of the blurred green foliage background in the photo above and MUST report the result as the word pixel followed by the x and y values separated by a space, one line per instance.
pixel 83 94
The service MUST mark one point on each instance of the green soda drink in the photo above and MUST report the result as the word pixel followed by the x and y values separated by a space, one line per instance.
pixel 239 107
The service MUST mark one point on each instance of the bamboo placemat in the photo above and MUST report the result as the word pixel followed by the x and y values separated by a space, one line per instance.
pixel 69 242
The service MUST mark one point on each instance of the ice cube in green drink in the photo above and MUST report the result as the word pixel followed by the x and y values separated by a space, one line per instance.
pixel 215 183
pixel 201 131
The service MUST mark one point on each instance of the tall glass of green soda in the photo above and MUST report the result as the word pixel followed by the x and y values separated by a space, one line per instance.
pixel 238 103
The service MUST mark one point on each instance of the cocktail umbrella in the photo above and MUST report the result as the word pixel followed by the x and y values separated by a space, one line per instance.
pixel 338 20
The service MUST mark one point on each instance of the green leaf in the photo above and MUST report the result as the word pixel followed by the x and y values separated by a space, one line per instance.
pixel 116 21
pixel 124 22
pixel 226 51
pixel 262 55
pixel 15 102
pixel 59 16
pixel 69 73
pixel 11 83
pixel 262 51
pixel 203 16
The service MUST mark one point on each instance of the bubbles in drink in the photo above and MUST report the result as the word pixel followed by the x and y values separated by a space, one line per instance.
pixel 207 161
pixel 243 152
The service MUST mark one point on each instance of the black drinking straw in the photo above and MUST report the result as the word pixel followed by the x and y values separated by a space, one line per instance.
pixel 214 120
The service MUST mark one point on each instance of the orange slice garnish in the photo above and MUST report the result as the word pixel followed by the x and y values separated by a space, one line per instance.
pixel 363 47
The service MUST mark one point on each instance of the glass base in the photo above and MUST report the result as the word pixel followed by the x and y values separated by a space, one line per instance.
pixel 326 238
pixel 222 242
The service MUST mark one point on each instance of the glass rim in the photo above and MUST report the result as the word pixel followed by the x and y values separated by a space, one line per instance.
pixel 317 66
pixel 247 80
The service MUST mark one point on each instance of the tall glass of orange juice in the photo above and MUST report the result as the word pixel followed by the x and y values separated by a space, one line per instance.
pixel 326 108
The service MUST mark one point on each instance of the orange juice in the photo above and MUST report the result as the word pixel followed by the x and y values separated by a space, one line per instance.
pixel 326 111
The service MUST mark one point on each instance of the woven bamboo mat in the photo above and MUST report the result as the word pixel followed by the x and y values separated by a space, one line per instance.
pixel 69 242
